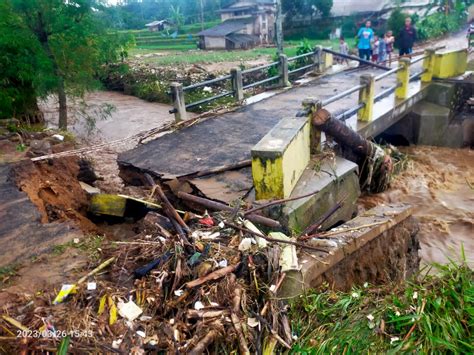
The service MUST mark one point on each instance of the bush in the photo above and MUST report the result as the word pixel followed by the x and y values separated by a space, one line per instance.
pixel 439 24
pixel 432 315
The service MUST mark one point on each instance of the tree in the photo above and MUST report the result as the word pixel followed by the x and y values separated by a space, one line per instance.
pixel 67 45
pixel 176 16
pixel 323 7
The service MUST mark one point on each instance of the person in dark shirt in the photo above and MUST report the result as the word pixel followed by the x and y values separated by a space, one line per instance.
pixel 407 38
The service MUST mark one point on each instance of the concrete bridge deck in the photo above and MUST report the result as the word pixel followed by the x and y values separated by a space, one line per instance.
pixel 228 138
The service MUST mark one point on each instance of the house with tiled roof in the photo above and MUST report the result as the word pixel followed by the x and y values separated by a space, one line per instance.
pixel 245 24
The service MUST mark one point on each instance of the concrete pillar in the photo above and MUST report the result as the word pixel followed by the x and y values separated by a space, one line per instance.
pixel 403 79
pixel 318 59
pixel 280 158
pixel 237 84
pixel 428 65
pixel 313 105
pixel 284 76
pixel 328 60
pixel 179 105
pixel 366 96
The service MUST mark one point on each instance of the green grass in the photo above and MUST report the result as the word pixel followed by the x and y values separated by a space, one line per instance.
pixel 90 245
pixel 431 315
pixel 187 54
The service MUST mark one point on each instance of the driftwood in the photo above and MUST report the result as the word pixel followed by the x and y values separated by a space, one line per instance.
pixel 278 202
pixel 217 206
pixel 317 225
pixel 212 276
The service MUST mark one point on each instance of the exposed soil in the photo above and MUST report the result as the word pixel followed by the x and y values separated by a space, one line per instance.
pixel 53 187
pixel 439 184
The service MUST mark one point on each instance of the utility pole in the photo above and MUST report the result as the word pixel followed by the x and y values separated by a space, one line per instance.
pixel 202 15
pixel 279 28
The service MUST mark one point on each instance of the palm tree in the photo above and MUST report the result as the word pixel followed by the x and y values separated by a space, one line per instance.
pixel 177 17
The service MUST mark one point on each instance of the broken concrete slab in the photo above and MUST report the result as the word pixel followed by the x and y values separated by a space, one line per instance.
pixel 379 246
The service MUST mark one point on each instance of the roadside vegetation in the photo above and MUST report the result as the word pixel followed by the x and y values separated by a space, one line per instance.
pixel 433 314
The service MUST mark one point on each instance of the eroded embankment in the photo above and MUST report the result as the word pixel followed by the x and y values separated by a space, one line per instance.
pixel 54 189
pixel 439 183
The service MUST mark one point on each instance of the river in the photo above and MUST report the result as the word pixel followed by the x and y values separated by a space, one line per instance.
pixel 439 184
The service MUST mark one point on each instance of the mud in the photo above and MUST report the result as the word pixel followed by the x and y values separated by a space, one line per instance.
pixel 54 189
pixel 439 183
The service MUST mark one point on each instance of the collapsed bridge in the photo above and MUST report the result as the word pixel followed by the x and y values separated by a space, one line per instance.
pixel 267 150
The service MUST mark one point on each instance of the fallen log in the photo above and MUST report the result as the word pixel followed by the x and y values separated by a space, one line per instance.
pixel 217 206
pixel 212 276
pixel 377 169
pixel 169 209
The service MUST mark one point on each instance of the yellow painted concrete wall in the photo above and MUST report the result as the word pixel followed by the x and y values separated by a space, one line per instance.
pixel 267 177
pixel 276 171
pixel 450 64
pixel 296 159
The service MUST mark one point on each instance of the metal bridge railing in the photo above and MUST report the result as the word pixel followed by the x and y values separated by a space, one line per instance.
pixel 241 80
pixel 366 88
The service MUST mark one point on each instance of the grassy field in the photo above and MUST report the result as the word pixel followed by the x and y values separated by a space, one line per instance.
pixel 188 54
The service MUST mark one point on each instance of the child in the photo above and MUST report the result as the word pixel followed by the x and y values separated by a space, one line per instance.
pixel 382 51
pixel 343 49
pixel 375 49
pixel 389 41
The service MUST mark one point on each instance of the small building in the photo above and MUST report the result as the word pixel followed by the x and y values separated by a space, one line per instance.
pixel 156 26
pixel 245 24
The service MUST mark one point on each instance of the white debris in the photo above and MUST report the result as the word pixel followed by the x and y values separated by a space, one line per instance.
pixel 91 286
pixel 221 224
pixel 214 304
pixel 76 240
pixel 397 313
pixel 394 339
pixel 253 322
pixel 207 89
pixel 355 295
pixel 129 310
pixel 273 288
pixel 370 317
pixel 288 257
pixel 245 244
pixel 205 235
pixel 141 333
pixel 59 137
pixel 116 343
pixel 223 263
pixel 92 190
pixel 415 295
pixel 178 293
pixel 198 305
pixel 145 318
pixel 262 243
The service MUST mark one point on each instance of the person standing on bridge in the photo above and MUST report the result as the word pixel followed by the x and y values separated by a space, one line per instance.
pixel 365 37
pixel 407 38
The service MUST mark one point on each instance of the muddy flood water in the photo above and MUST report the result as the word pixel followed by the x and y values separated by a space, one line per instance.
pixel 439 184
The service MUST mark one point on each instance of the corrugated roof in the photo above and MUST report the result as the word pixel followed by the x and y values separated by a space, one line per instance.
pixel 156 23
pixel 241 38
pixel 227 27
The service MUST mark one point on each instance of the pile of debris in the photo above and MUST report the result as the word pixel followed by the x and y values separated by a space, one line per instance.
pixel 186 283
